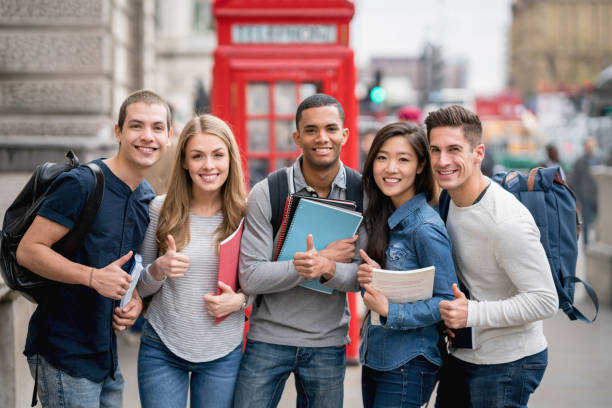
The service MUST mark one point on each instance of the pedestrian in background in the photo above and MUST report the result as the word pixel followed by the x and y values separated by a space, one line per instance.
pixel 365 142
pixel 182 350
pixel 584 185
pixel 400 356
pixel 553 160
pixel 501 263
pixel 409 114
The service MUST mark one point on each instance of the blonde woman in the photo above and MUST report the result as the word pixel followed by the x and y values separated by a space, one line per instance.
pixel 182 349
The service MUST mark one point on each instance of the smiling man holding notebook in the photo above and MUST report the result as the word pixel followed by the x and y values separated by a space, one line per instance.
pixel 294 328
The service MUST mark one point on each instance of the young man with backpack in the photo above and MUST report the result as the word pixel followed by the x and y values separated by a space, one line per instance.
pixel 71 345
pixel 507 284
pixel 292 328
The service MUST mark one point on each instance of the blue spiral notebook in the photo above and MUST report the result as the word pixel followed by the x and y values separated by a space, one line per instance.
pixel 326 223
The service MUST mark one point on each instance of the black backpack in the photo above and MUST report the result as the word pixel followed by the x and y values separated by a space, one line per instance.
pixel 21 214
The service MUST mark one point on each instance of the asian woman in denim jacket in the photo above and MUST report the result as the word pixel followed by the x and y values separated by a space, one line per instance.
pixel 400 357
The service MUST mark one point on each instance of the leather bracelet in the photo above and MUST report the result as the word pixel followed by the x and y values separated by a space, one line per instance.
pixel 91 276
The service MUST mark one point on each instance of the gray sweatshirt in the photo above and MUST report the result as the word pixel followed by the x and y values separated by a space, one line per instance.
pixel 289 314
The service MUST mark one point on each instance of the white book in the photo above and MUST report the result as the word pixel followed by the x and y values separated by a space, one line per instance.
pixel 135 272
pixel 403 286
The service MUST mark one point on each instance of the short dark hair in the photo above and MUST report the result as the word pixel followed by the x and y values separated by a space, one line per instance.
pixel 317 101
pixel 148 97
pixel 456 116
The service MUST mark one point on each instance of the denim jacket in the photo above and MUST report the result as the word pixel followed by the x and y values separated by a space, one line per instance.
pixel 417 239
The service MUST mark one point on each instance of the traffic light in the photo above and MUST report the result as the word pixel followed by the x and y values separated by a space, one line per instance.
pixel 378 94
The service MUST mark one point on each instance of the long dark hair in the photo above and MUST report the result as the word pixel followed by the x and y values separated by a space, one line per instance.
pixel 380 206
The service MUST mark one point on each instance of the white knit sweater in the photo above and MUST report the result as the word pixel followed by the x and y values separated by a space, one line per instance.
pixel 498 255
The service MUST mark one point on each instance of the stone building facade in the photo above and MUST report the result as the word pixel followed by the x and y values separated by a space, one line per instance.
pixel 557 44
pixel 65 67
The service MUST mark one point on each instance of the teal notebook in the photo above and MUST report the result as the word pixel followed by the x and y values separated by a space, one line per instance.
pixel 326 223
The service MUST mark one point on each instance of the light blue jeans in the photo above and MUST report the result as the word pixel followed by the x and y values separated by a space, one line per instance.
pixel 318 371
pixel 164 379
pixel 56 389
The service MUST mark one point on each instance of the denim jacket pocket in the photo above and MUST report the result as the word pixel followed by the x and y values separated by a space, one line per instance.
pixel 395 253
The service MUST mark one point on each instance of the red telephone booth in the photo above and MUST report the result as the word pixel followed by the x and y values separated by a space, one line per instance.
pixel 271 54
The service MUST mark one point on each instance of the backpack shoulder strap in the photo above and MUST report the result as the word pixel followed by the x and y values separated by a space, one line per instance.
pixel 443 205
pixel 71 243
pixel 354 189
pixel 277 184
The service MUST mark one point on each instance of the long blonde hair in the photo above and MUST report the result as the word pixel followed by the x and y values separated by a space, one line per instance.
pixel 174 216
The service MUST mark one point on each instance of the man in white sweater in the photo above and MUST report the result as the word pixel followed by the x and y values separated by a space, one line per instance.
pixel 501 264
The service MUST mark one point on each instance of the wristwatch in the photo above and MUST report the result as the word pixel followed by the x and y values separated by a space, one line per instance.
pixel 246 301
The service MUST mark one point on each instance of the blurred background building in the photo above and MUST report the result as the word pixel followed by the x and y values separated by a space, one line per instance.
pixel 558 45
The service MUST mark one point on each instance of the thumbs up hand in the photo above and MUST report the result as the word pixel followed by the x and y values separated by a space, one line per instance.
pixel 112 281
pixel 310 264
pixel 372 298
pixel 224 303
pixel 364 274
pixel 171 264
pixel 455 312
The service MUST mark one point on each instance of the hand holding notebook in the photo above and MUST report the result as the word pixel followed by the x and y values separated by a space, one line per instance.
pixel 454 314
pixel 229 251
pixel 324 221
pixel 403 286
pixel 310 264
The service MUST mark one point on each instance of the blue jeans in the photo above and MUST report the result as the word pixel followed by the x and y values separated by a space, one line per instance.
pixel 164 378
pixel 490 385
pixel 56 389
pixel 265 367
pixel 410 385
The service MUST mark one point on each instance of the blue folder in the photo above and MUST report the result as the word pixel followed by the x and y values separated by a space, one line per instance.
pixel 326 223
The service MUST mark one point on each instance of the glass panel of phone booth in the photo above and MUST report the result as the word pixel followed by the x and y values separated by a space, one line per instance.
pixel 284 135
pixel 258 131
pixel 270 123
pixel 258 98
pixel 258 170
pixel 310 88
pixel 280 163
pixel 285 98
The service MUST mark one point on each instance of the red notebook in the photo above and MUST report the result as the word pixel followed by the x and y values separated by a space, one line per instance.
pixel 229 250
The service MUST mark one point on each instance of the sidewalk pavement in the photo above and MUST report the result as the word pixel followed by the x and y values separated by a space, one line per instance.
pixel 579 372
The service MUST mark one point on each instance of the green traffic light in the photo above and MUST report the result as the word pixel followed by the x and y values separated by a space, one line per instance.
pixel 378 95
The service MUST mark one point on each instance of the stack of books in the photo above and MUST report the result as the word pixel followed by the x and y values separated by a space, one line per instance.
pixel 325 219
